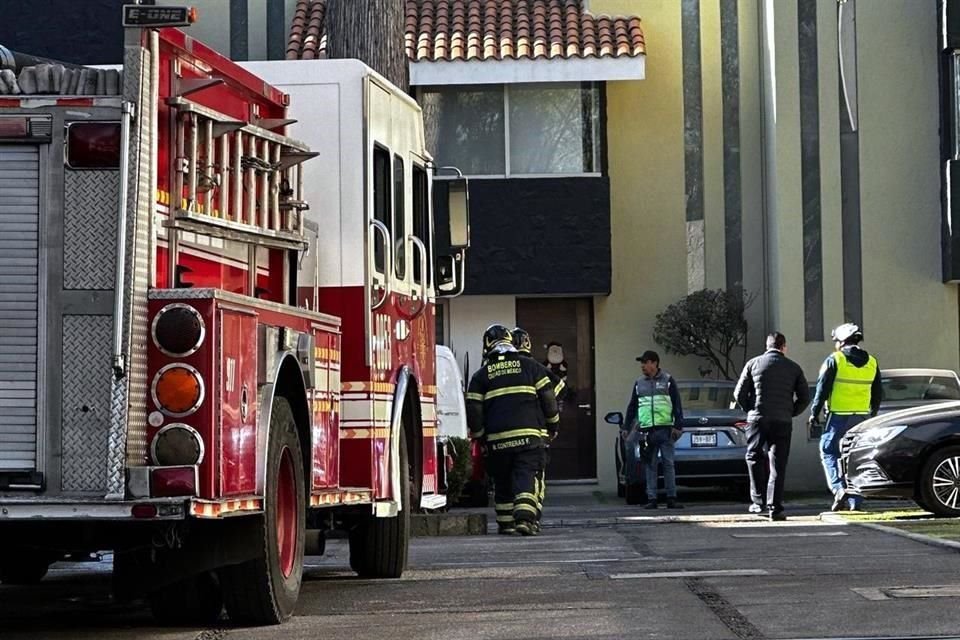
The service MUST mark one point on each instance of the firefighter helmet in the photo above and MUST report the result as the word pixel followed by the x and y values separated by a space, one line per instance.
pixel 847 333
pixel 521 340
pixel 494 335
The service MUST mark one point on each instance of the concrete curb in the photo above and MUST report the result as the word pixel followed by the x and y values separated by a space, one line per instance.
pixel 917 537
pixel 447 524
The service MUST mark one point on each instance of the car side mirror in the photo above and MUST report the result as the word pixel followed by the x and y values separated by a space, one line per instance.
pixel 614 417
pixel 450 274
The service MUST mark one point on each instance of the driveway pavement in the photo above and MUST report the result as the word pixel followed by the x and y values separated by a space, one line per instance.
pixel 600 570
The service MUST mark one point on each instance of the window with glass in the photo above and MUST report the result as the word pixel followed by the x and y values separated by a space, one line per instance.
pixel 920 387
pixel 706 396
pixel 421 217
pixel 515 130
pixel 399 220
pixel 381 200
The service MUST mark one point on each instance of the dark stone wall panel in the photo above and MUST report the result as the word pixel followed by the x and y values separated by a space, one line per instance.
pixel 80 32
pixel 535 236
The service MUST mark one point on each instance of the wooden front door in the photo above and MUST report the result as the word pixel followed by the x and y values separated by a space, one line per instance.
pixel 568 322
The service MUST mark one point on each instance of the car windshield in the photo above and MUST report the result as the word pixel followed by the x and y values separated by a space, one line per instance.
pixel 920 388
pixel 705 396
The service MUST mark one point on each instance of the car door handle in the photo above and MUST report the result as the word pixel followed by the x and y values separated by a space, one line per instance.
pixel 585 406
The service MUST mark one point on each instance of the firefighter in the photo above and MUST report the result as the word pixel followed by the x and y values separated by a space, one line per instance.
pixel 512 408
pixel 524 346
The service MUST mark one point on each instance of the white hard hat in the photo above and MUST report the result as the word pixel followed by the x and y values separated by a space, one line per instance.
pixel 846 331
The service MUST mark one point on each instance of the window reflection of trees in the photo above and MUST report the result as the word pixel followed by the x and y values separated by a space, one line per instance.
pixel 466 128
pixel 554 129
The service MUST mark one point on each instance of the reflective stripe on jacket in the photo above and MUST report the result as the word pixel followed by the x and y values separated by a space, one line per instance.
pixel 852 386
pixel 511 403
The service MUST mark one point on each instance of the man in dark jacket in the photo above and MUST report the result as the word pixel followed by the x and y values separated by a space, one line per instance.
pixel 772 390
pixel 849 385
pixel 512 409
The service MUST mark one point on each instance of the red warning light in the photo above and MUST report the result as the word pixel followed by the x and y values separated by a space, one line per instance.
pixel 13 127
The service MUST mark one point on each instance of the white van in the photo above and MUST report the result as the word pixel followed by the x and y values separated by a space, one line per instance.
pixel 451 411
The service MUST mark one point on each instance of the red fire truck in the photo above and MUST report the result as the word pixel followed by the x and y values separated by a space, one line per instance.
pixel 197 370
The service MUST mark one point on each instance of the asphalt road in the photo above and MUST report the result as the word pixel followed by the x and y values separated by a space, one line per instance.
pixel 598 572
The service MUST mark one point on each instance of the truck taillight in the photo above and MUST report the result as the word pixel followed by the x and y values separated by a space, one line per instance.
pixel 93 145
pixel 176 445
pixel 178 330
pixel 178 390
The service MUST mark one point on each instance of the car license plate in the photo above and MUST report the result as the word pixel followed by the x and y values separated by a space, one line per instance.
pixel 703 439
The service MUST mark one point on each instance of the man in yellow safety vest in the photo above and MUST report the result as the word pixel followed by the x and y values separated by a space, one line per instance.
pixel 849 385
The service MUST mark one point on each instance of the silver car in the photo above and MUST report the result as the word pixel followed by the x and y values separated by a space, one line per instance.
pixel 711 449
pixel 906 388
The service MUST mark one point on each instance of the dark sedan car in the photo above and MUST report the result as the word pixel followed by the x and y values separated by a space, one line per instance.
pixel 711 449
pixel 914 453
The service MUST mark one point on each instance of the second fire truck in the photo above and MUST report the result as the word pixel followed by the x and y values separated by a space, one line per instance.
pixel 197 368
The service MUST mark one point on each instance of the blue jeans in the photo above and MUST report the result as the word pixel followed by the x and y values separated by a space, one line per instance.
pixel 833 432
pixel 660 442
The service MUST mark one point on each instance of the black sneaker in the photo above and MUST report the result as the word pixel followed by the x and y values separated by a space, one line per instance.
pixel 673 504
pixel 777 516
pixel 839 497
pixel 651 505
pixel 756 508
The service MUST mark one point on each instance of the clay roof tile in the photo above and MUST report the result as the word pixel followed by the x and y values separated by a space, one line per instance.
pixel 487 30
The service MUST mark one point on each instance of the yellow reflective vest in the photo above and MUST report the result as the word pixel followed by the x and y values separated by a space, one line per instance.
pixel 852 386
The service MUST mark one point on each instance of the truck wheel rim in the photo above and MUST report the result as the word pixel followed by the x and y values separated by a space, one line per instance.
pixel 946 482
pixel 286 514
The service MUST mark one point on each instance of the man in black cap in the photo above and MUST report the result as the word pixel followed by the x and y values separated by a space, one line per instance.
pixel 655 414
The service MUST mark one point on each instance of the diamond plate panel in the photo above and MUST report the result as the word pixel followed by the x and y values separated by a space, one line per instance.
pixel 89 228
pixel 136 448
pixel 127 437
pixel 86 409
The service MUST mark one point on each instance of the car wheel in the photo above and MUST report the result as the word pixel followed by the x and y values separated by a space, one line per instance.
pixel 922 503
pixel 940 482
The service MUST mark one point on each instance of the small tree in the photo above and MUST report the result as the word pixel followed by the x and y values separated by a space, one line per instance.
pixel 710 324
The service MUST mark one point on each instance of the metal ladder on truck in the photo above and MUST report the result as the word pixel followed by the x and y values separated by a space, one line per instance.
pixel 239 181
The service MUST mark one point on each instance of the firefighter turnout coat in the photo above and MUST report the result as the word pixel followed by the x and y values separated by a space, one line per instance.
pixel 511 403
pixel 512 407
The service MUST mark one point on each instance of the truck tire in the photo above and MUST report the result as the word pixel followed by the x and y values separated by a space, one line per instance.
pixel 378 546
pixel 23 567
pixel 938 483
pixel 194 601
pixel 265 590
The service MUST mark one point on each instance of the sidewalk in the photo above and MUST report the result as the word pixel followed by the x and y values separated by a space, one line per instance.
pixel 587 505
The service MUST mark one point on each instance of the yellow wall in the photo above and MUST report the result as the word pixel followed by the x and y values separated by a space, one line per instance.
pixel 645 157
pixel 910 317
